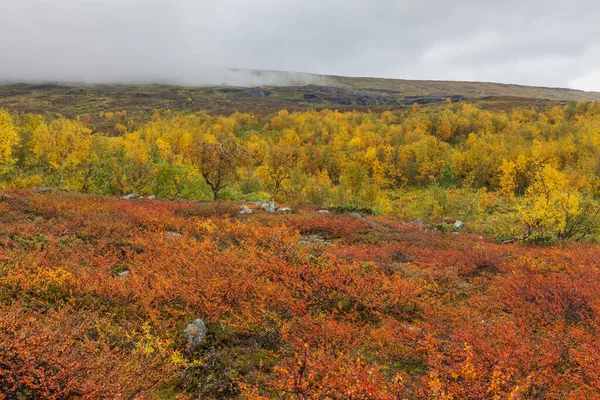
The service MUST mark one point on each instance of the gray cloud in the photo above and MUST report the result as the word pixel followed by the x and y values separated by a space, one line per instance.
pixel 535 42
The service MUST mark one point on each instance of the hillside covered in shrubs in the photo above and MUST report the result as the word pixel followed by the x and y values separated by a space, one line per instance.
pixel 102 297
pixel 523 175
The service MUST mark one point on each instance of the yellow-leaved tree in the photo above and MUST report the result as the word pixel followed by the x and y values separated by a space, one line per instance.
pixel 279 162
pixel 62 147
pixel 551 205
pixel 9 139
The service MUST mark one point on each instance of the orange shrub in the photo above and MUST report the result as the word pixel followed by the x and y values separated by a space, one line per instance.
pixel 95 293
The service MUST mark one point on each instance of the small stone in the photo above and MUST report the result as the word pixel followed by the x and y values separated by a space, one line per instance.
pixel 284 210
pixel 459 225
pixel 42 189
pixel 417 222
pixel 152 197
pixel 131 196
pixel 173 235
pixel 195 333
pixel 313 239
pixel 323 212
pixel 245 210
pixel 356 215
pixel 270 206
pixel 124 274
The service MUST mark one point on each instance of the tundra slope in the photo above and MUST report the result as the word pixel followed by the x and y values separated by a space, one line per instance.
pixel 319 92
pixel 96 293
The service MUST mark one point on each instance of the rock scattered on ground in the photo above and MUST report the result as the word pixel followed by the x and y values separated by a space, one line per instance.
pixel 172 235
pixel 245 210
pixel 314 239
pixel 418 222
pixel 124 274
pixel 195 333
pixel 270 206
pixel 371 222
pixel 47 189
pixel 356 215
pixel 42 189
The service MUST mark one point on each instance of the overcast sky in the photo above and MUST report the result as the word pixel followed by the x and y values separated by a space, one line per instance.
pixel 533 42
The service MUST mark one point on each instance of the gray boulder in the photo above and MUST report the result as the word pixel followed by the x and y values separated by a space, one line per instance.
pixel 42 189
pixel 323 212
pixel 131 196
pixel 47 189
pixel 419 222
pixel 195 333
pixel 356 215
pixel 172 235
pixel 284 210
pixel 459 225
pixel 124 274
pixel 270 206
pixel 245 210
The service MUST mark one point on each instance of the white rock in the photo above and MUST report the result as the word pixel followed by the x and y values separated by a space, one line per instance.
pixel 245 210
pixel 124 274
pixel 270 206
pixel 172 235
pixel 418 222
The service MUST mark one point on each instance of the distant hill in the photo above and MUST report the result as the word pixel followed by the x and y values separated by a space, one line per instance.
pixel 417 88
pixel 467 89
pixel 265 92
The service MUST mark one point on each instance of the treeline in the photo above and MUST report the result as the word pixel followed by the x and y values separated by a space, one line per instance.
pixel 540 171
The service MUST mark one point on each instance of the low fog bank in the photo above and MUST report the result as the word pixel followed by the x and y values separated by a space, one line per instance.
pixel 199 78
pixel 242 77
